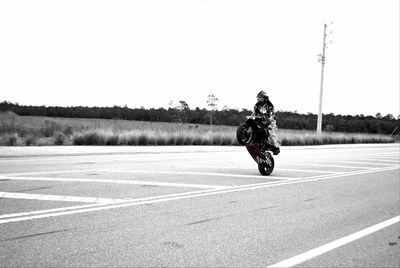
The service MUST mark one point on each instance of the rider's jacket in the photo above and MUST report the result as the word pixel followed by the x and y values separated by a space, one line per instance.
pixel 264 109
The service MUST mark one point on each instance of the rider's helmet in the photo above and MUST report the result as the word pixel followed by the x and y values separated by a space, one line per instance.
pixel 262 96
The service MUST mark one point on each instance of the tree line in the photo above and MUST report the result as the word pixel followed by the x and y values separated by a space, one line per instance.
pixel 232 117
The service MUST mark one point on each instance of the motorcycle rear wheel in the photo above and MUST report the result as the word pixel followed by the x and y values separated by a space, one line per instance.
pixel 266 169
pixel 242 134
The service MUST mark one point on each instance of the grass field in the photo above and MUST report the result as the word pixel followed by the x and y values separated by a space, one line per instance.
pixel 38 131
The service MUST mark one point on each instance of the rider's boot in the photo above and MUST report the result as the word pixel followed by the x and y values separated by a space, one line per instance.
pixel 276 150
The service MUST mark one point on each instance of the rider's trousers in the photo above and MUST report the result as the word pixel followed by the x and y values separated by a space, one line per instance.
pixel 272 129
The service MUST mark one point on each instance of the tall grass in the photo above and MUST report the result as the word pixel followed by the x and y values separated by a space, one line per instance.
pixel 305 137
pixel 30 130
pixel 152 137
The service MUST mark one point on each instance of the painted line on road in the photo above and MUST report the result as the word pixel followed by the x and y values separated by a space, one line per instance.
pixel 113 157
pixel 144 172
pixel 358 172
pixel 37 212
pixel 328 165
pixel 392 161
pixel 308 170
pixel 197 174
pixel 335 244
pixel 165 198
pixel 382 154
pixel 363 163
pixel 391 158
pixel 63 198
pixel 248 168
pixel 115 181
pixel 50 172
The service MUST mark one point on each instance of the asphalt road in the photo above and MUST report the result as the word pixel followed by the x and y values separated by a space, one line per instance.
pixel 323 206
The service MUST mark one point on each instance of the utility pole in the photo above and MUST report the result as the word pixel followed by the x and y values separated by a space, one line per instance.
pixel 322 60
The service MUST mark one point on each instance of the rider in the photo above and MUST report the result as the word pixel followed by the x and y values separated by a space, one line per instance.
pixel 265 109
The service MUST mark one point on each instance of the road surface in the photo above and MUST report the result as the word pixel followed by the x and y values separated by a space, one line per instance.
pixel 322 206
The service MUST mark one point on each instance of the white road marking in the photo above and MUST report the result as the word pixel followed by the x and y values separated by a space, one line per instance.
pixel 199 174
pixel 60 198
pixel 136 202
pixel 392 161
pixel 308 170
pixel 335 244
pixel 358 172
pixel 144 172
pixel 328 165
pixel 284 169
pixel 36 212
pixel 383 154
pixel 363 163
pixel 390 158
pixel 115 181
pixel 50 172
pixel 113 157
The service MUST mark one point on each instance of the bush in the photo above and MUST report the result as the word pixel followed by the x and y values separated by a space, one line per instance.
pixel 49 127
pixel 30 140
pixel 112 139
pixel 88 138
pixel 12 140
pixel 59 138
pixel 68 131
pixel 329 128
pixel 142 140
pixel 179 140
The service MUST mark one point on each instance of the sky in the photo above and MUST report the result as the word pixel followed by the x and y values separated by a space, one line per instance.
pixel 149 52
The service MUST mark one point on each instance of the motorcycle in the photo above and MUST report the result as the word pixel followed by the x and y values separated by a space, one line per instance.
pixel 253 135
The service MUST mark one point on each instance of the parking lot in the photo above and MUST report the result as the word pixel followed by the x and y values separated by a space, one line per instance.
pixel 199 206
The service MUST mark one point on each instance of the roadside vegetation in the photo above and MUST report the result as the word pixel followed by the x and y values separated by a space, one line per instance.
pixel 180 112
pixel 38 131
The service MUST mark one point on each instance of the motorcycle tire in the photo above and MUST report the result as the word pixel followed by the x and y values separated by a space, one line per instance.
pixel 266 169
pixel 242 136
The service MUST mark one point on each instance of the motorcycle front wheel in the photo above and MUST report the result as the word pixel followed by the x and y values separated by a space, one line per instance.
pixel 242 135
pixel 267 167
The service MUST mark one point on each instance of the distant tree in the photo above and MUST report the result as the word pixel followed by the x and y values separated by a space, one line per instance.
pixel 183 105
pixel 389 116
pixel 329 128
pixel 181 110
pixel 212 104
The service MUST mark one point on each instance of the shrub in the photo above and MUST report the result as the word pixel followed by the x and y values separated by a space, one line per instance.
pixel 179 140
pixel 112 139
pixel 12 140
pixel 30 140
pixel 49 127
pixel 188 140
pixel 88 138
pixel 226 140
pixel 59 138
pixel 198 140
pixel 132 140
pixel 329 128
pixel 142 139
pixel 171 140
pixel 216 140
pixel 68 131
